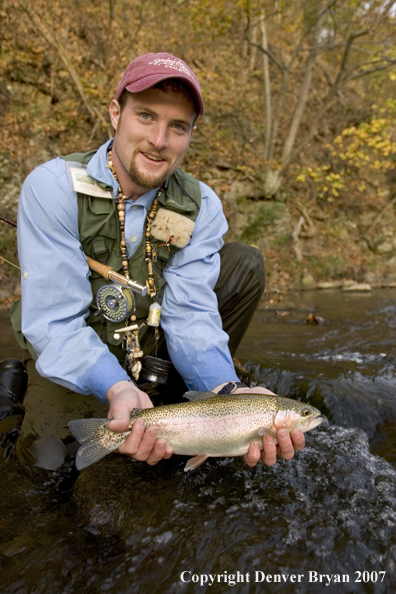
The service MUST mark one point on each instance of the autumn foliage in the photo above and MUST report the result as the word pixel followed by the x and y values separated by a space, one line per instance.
pixel 299 97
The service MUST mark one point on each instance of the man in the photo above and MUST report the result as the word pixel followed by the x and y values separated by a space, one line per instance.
pixel 156 225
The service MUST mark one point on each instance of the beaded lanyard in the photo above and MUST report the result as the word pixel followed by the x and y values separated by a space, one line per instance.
pixel 131 333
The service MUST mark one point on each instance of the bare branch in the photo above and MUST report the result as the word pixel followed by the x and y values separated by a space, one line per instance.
pixel 310 229
pixel 268 53
pixel 371 70
pixel 53 39
pixel 279 108
pixel 348 49
pixel 341 79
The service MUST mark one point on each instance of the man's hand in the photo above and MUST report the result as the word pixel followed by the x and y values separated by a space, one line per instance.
pixel 141 445
pixel 287 442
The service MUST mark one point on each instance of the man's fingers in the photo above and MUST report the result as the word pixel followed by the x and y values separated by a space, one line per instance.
pixel 133 441
pixel 285 445
pixel 119 413
pixel 268 455
pixel 119 424
pixel 123 397
pixel 146 445
pixel 298 439
pixel 253 455
pixel 168 453
pixel 143 445
pixel 158 453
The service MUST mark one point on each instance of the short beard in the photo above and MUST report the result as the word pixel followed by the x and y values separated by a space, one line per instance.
pixel 144 181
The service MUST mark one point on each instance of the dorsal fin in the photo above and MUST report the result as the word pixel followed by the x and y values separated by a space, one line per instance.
pixel 194 396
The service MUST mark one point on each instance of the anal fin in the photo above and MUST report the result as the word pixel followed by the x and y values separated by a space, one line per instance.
pixel 195 462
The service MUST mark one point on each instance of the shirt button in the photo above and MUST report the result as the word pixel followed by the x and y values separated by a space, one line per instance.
pixel 134 207
pixel 133 238
pixel 25 275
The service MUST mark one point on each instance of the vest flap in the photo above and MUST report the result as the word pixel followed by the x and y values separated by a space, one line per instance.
pixel 183 194
pixel 99 206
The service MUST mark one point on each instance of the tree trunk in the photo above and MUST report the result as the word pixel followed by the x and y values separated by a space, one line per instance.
pixel 305 88
pixel 267 89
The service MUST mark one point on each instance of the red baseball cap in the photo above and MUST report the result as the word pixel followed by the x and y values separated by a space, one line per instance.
pixel 146 71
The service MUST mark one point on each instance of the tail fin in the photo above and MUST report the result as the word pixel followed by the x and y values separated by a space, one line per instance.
pixel 84 429
pixel 88 432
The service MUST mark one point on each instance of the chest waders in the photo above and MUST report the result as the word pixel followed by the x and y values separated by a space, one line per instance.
pixel 99 230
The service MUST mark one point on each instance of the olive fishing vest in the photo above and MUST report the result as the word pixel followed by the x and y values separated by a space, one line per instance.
pixel 100 237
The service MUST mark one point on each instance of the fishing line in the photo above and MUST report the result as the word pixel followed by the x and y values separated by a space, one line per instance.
pixel 7 221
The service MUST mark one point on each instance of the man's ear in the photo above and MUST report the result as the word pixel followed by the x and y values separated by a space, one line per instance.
pixel 115 113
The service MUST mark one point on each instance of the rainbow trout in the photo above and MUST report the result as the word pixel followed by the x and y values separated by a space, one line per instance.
pixel 207 426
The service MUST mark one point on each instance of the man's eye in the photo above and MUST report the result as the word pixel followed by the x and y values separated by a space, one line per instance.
pixel 145 116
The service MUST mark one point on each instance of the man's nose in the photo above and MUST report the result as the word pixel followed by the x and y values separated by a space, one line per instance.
pixel 158 136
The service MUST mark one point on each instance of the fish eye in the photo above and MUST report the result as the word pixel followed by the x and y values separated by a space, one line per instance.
pixel 305 412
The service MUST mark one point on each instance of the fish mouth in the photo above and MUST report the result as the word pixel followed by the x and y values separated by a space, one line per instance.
pixel 316 421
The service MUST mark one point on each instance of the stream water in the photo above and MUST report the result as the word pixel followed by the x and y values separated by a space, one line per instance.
pixel 322 522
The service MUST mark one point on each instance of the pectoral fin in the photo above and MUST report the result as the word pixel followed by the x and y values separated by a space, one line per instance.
pixel 195 462
pixel 265 431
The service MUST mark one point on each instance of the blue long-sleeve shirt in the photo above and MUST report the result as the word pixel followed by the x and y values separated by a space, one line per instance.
pixel 56 292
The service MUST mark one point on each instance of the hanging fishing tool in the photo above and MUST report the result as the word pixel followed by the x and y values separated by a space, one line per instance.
pixel 116 303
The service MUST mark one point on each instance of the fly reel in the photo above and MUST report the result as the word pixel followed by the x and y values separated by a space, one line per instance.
pixel 114 302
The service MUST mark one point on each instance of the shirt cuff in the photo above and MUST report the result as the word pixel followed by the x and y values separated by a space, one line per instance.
pixel 103 374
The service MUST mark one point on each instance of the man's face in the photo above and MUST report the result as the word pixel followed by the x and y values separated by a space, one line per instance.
pixel 153 132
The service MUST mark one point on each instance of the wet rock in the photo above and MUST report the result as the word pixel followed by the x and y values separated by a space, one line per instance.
pixel 120 496
pixel 49 452
pixel 329 285
pixel 354 286
pixel 315 320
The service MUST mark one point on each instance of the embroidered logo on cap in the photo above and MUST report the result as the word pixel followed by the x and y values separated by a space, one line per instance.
pixel 174 64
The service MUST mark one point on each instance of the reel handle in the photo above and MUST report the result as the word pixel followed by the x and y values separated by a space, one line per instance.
pixel 109 274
